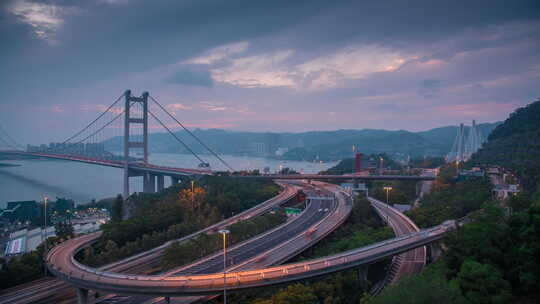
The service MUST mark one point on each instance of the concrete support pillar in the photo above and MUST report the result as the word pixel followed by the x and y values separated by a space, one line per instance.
pixel 363 277
pixel 149 183
pixel 355 183
pixel 82 296
pixel 152 183
pixel 160 183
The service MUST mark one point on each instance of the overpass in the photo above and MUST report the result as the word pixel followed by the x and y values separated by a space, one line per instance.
pixel 62 263
pixel 336 177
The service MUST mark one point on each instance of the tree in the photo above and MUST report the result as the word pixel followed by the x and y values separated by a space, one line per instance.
pixel 483 283
pixel 117 209
pixel 295 294
pixel 427 288
pixel 64 230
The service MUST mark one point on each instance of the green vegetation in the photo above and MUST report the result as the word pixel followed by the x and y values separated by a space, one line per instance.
pixel 494 257
pixel 515 145
pixel 205 244
pixel 403 191
pixel 117 208
pixel 427 162
pixel 450 199
pixel 176 212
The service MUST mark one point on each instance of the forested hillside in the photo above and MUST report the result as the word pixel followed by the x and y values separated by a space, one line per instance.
pixel 515 144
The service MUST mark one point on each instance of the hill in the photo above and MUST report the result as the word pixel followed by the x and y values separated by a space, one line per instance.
pixel 313 145
pixel 515 144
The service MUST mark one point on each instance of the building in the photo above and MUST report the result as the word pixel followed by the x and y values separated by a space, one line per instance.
pixel 504 191
pixel 471 174
pixel 21 211
pixel 23 241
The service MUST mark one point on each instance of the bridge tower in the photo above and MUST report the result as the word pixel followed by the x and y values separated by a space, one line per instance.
pixel 128 144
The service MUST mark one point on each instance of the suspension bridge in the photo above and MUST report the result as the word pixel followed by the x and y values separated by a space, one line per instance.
pixel 86 146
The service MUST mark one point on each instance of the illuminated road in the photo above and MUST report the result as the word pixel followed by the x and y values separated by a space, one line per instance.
pixel 62 263
pixel 50 290
pixel 270 248
pixel 410 262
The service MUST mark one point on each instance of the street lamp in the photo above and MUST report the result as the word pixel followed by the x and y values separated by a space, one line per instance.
pixel 387 188
pixel 45 199
pixel 224 232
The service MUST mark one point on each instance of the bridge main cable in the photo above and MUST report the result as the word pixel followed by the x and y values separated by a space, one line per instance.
pixel 176 137
pixel 193 135
pixel 90 124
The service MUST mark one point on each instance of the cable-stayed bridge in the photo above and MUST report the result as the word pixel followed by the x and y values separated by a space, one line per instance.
pixel 465 143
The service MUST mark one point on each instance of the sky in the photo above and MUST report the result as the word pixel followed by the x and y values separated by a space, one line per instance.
pixel 267 65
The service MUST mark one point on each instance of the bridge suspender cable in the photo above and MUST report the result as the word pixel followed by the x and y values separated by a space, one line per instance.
pixel 9 141
pixel 103 127
pixel 178 139
pixel 193 135
pixel 90 124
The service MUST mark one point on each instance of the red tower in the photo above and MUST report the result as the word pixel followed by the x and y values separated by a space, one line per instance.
pixel 358 162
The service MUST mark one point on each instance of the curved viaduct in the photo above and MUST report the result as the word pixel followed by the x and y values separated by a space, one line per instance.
pixel 62 263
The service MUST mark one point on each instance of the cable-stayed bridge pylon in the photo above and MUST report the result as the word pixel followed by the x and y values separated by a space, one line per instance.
pixel 465 144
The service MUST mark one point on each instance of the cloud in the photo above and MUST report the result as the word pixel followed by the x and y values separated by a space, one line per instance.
pixel 191 75
pixel 219 53
pixel 178 106
pixel 264 70
pixel 45 19
pixel 276 69
pixel 351 62
pixel 213 106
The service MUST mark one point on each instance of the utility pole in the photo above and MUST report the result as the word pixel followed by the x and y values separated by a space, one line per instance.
pixel 45 199
pixel 224 232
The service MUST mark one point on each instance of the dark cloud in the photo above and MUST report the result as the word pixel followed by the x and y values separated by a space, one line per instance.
pixel 102 47
pixel 193 75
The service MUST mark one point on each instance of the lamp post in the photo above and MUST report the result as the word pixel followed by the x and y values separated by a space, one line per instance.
pixel 224 232
pixel 387 188
pixel 45 199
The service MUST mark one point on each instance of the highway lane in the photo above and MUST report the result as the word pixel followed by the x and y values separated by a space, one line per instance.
pixel 237 280
pixel 410 262
pixel 243 252
pixel 62 263
pixel 50 291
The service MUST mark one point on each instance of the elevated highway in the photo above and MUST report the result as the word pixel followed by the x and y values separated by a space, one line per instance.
pixel 320 218
pixel 48 290
pixel 65 267
pixel 411 262
pixel 62 263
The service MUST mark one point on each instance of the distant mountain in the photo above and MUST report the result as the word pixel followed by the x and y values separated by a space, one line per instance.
pixel 323 145
pixel 515 144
